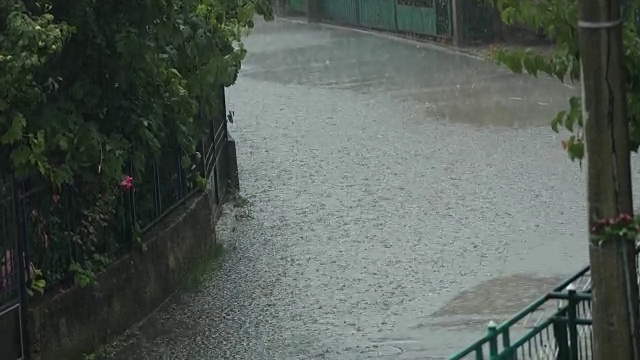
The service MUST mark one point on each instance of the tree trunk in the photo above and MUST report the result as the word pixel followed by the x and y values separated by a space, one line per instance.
pixel 613 269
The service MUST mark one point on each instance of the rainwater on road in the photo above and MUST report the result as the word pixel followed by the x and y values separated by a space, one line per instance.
pixel 400 196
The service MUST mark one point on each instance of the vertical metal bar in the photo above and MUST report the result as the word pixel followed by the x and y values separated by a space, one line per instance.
pixel 76 251
pixel 573 327
pixel 156 189
pixel 202 166
pixel 449 18
pixel 395 15
pixel 224 139
pixel 133 216
pixel 223 101
pixel 506 344
pixel 493 340
pixel 479 354
pixel 23 266
pixel 562 340
pixel 180 175
pixel 214 174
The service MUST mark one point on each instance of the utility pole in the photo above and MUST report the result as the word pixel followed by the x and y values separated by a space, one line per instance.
pixel 613 270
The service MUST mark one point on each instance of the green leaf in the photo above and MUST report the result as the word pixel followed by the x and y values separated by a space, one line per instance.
pixel 530 64
pixel 576 150
pixel 62 142
pixel 15 132
pixel 558 120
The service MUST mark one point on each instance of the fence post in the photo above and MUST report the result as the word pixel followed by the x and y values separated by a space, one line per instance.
pixel 157 190
pixel 459 36
pixel 562 340
pixel 22 247
pixel 279 7
pixel 230 161
pixel 182 176
pixel 571 324
pixel 314 11
pixel 133 217
pixel 493 341
pixel 506 344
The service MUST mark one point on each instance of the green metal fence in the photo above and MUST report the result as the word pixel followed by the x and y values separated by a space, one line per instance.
pixel 557 326
pixel 377 14
pixel 417 17
pixel 431 18
pixel 478 20
pixel 340 11
pixel 297 6
pixel 422 18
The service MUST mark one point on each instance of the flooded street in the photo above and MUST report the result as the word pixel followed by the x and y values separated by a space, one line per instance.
pixel 398 197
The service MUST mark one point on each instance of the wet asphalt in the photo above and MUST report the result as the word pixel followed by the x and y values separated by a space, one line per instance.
pixel 384 179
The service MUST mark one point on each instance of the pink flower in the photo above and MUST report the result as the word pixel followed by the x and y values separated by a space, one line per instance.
pixel 626 217
pixel 126 183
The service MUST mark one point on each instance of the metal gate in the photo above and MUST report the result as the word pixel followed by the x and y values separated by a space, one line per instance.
pixel 14 339
pixel 377 14
pixel 341 11
pixel 213 148
pixel 298 7
pixel 417 17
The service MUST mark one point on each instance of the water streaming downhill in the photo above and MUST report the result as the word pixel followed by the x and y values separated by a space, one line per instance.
pixel 391 214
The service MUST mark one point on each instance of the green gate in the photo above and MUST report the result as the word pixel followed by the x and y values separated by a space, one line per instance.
pixel 378 14
pixel 297 6
pixel 417 17
pixel 478 20
pixel 341 11
pixel 444 19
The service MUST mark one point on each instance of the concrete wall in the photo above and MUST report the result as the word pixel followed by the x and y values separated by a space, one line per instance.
pixel 79 320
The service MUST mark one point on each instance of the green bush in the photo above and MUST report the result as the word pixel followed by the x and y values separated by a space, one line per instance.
pixel 86 84
pixel 90 89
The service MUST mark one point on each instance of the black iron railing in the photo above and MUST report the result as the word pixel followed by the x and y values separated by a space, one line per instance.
pixel 71 233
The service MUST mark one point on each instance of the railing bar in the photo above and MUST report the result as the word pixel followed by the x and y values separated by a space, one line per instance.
pixel 581 296
pixel 532 333
pixel 523 313
pixel 219 133
pixel 168 210
pixel 9 306
pixel 581 322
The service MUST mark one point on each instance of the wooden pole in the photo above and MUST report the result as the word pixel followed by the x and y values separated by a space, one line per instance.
pixel 613 270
